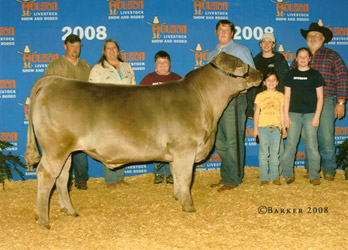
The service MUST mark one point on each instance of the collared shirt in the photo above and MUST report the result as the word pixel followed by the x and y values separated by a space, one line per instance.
pixel 334 71
pixel 234 49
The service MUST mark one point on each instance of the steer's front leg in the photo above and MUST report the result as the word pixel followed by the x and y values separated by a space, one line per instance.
pixel 182 168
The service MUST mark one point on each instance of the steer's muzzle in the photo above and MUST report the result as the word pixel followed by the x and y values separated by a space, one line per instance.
pixel 255 78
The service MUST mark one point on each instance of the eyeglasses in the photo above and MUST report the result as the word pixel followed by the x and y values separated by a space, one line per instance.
pixel 314 36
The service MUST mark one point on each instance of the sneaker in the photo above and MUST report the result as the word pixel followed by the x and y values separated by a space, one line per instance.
pixel 158 179
pixel 82 186
pixel 276 182
pixel 169 179
pixel 315 182
pixel 263 183
pixel 290 179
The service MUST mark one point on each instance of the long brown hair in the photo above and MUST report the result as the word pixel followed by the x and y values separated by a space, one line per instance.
pixel 103 57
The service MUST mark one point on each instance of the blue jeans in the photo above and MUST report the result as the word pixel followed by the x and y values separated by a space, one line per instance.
pixel 301 122
pixel 232 125
pixel 112 176
pixel 80 166
pixel 326 137
pixel 162 169
pixel 281 152
pixel 269 153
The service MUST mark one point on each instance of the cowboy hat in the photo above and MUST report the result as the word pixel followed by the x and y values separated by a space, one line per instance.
pixel 327 33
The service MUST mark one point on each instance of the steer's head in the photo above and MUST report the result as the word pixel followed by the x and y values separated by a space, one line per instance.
pixel 236 69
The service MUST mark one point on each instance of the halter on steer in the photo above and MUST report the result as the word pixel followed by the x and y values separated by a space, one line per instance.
pixel 230 74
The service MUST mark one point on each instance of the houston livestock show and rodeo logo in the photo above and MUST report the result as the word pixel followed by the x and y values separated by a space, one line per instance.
pixel 7 36
pixel 33 10
pixel 210 10
pixel 340 35
pixel 135 59
pixel 289 11
pixel 167 33
pixel 201 56
pixel 119 9
pixel 34 61
pixel 7 89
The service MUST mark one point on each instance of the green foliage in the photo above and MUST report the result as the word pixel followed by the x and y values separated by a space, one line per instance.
pixel 8 164
pixel 342 156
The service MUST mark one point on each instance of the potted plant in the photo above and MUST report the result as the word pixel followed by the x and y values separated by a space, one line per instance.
pixel 8 164
pixel 342 157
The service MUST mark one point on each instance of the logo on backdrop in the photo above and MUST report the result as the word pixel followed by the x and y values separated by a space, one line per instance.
pixel 135 59
pixel 119 9
pixel 201 55
pixel 249 136
pixel 7 89
pixel 289 56
pixel 32 10
pixel 291 12
pixel 34 62
pixel 210 10
pixel 165 33
pixel 341 133
pixel 214 161
pixel 136 170
pixel 7 36
pixel 10 137
pixel 340 34
pixel 26 106
pixel 300 158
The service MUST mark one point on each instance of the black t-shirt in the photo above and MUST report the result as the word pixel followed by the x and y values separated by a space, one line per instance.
pixel 266 64
pixel 303 84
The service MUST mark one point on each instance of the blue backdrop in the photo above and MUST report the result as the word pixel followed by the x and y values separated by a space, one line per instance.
pixel 32 34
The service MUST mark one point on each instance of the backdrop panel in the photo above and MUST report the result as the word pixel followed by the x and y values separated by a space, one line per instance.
pixel 32 34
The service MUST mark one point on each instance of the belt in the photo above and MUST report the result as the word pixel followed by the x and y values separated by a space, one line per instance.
pixel 271 127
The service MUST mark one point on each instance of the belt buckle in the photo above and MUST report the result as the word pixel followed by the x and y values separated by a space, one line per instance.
pixel 271 127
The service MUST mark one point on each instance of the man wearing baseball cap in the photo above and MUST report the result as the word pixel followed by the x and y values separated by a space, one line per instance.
pixel 334 71
pixel 71 66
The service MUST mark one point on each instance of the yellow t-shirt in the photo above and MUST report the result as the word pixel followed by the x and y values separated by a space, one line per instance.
pixel 270 104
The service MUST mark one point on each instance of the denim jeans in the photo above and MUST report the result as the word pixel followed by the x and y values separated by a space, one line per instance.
pixel 112 176
pixel 79 164
pixel 231 125
pixel 326 137
pixel 301 122
pixel 269 153
pixel 162 169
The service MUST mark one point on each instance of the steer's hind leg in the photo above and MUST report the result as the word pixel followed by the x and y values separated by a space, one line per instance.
pixel 45 182
pixel 62 187
pixel 182 167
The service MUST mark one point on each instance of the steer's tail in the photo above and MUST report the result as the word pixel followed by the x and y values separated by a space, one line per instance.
pixel 32 154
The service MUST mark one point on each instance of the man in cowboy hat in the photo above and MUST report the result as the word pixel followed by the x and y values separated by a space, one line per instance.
pixel 334 71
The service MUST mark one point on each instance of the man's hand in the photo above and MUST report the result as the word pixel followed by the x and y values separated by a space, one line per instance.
pixel 340 111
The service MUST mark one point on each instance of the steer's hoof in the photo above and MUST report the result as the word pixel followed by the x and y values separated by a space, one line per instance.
pixel 65 211
pixel 190 209
pixel 44 224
